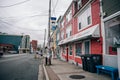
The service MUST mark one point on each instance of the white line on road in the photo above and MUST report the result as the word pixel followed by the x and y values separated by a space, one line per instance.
pixel 15 57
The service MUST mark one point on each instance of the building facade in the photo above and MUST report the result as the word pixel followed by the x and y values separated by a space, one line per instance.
pixel 18 43
pixel 34 44
pixel 10 42
pixel 25 44
pixel 58 38
pixel 81 30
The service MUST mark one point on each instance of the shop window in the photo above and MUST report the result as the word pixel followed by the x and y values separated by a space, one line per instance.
pixel 70 49
pixel 78 48
pixel 112 29
pixel 87 47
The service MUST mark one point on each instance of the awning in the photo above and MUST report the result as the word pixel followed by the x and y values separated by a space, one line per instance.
pixel 92 32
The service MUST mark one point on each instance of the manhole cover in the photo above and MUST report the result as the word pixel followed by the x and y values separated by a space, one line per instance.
pixel 77 76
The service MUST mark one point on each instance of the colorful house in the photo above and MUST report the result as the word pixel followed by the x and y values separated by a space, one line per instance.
pixel 81 30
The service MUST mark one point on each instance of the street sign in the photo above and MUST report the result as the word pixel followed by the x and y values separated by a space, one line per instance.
pixel 53 23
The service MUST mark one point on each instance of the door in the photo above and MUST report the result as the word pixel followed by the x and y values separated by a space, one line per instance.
pixel 87 47
pixel 67 54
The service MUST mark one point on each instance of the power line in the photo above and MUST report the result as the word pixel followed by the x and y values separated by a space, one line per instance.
pixel 55 6
pixel 14 4
pixel 20 27
pixel 53 11
pixel 25 16
pixel 6 26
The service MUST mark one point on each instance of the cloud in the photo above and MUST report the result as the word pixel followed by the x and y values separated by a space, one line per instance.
pixel 29 18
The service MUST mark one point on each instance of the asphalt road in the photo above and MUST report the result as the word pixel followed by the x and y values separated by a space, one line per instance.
pixel 22 67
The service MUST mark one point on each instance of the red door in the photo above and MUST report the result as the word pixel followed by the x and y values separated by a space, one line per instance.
pixel 67 54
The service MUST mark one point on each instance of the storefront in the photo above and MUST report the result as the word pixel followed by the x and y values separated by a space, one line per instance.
pixel 112 41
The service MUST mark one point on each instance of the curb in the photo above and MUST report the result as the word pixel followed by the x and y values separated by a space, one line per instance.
pixel 45 72
pixel 40 73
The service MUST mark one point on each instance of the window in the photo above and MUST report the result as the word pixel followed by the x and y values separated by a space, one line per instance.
pixel 79 4
pixel 69 15
pixel 66 35
pixel 70 49
pixel 68 31
pixel 87 47
pixel 78 47
pixel 89 20
pixel 62 35
pixel 85 18
pixel 62 24
pixel 58 36
pixel 112 33
pixel 80 25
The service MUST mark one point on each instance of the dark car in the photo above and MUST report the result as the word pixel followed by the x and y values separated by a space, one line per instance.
pixel 1 54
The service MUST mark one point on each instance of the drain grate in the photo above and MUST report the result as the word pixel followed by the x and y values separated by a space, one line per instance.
pixel 77 76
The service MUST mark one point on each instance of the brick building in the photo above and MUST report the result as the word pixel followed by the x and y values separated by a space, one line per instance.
pixel 34 44
pixel 81 30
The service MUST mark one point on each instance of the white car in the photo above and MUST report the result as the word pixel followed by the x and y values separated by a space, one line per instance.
pixel 12 52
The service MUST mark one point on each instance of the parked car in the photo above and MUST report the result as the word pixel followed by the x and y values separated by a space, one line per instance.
pixel 1 54
pixel 12 52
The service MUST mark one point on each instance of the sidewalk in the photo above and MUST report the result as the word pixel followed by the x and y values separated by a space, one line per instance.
pixel 60 70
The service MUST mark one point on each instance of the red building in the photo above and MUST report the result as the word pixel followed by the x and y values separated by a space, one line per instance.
pixel 34 44
pixel 81 30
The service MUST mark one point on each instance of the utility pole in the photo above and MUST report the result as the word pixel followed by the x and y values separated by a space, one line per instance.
pixel 44 41
pixel 49 39
pixel 49 23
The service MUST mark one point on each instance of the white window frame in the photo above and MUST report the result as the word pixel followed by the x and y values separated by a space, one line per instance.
pixel 70 50
pixel 58 36
pixel 88 20
pixel 79 4
pixel 82 17
pixel 68 30
pixel 89 46
pixel 69 15
pixel 75 48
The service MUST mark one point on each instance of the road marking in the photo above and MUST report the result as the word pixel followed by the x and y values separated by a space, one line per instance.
pixel 14 58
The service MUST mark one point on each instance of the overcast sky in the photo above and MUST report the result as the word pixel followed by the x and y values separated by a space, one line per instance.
pixel 29 17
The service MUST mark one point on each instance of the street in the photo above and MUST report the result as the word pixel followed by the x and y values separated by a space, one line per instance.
pixel 22 67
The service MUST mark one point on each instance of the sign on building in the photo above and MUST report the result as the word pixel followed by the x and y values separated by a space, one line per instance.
pixel 53 23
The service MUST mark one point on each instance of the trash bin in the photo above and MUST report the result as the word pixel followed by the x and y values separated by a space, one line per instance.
pixel 84 62
pixel 92 60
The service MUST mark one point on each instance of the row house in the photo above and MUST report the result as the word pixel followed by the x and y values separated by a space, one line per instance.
pixel 58 37
pixel 80 30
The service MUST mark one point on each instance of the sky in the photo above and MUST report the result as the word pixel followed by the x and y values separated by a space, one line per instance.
pixel 29 17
